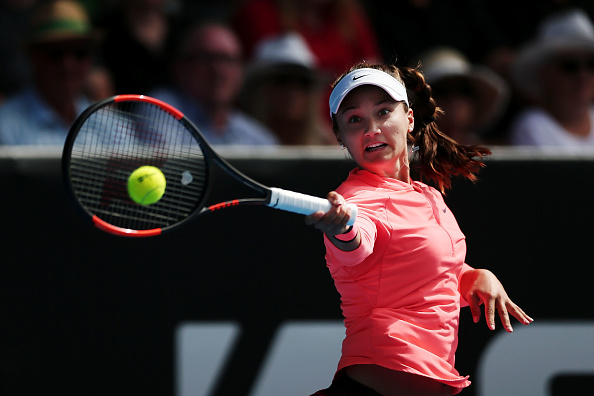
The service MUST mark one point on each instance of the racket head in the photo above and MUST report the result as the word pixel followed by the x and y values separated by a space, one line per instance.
pixel 116 136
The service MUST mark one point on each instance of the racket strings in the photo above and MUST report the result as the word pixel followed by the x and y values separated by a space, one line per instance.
pixel 122 136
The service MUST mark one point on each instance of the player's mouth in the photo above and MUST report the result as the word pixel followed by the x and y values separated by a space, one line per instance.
pixel 375 147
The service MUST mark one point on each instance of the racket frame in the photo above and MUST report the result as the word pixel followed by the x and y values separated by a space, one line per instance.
pixel 209 154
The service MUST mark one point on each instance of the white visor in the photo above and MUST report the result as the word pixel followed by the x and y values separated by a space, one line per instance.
pixel 366 76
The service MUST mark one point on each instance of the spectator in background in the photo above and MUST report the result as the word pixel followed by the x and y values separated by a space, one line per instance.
pixel 207 75
pixel 337 31
pixel 60 45
pixel 556 72
pixel 283 91
pixel 471 96
pixel 135 47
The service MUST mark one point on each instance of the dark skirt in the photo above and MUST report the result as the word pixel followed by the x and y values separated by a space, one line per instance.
pixel 343 385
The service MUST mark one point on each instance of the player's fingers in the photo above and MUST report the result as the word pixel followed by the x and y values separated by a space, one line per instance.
pixel 490 313
pixel 475 307
pixel 504 316
pixel 313 218
pixel 330 223
pixel 337 219
pixel 519 314
pixel 335 198
pixel 339 212
pixel 333 215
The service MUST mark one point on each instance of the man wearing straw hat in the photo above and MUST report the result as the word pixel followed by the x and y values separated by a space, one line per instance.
pixel 59 45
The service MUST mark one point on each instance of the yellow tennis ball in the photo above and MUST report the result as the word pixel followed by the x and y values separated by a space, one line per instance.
pixel 146 185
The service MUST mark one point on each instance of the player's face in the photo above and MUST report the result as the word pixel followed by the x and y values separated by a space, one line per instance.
pixel 374 129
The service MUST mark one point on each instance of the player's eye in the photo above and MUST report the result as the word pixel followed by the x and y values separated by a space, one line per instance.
pixel 383 112
pixel 354 119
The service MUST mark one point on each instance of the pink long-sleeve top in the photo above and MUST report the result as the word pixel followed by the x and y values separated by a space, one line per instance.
pixel 399 288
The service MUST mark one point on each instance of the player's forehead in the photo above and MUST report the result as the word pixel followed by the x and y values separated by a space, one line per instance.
pixel 365 94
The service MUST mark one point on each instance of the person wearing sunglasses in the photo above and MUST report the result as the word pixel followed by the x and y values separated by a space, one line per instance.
pixel 555 72
pixel 60 45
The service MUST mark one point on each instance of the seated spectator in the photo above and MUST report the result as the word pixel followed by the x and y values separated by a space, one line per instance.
pixel 207 75
pixel 471 96
pixel 283 91
pixel 60 45
pixel 556 72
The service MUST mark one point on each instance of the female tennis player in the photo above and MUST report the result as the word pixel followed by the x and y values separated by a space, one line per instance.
pixel 400 268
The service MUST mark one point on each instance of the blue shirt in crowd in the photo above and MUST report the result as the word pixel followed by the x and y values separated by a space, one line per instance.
pixel 26 119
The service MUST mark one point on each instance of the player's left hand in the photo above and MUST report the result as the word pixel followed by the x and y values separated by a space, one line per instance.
pixel 480 286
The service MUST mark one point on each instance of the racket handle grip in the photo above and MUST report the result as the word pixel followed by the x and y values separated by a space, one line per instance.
pixel 304 204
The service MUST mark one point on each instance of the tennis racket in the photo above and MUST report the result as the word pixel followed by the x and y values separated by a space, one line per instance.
pixel 116 136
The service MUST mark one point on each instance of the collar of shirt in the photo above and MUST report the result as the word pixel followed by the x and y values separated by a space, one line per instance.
pixel 385 182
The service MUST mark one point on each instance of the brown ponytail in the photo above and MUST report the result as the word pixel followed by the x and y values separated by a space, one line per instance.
pixel 440 157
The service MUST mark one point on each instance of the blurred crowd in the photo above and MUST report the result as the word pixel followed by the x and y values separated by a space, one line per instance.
pixel 257 72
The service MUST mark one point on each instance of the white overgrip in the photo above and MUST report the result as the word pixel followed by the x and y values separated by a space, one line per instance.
pixel 304 204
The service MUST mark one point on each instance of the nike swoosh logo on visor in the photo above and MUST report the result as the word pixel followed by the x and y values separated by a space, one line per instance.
pixel 358 77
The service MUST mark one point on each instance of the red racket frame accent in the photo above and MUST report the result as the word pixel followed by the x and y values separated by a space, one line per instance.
pixel 142 98
pixel 223 205
pixel 104 226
